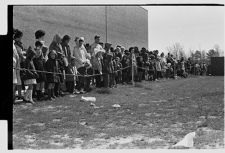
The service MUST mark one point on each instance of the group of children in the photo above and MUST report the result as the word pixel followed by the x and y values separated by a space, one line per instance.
pixel 46 70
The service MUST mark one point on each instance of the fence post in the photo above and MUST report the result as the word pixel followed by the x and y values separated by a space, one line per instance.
pixel 132 68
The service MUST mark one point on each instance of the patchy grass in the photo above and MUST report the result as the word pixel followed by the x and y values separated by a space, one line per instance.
pixel 155 118
pixel 104 91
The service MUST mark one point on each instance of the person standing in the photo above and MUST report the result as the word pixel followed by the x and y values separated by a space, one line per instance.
pixel 96 60
pixel 107 67
pixel 52 78
pixel 82 63
pixel 56 46
pixel 18 35
pixel 31 75
pixel 69 69
pixel 39 63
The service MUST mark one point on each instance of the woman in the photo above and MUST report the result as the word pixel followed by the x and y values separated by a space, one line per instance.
pixel 19 53
pixel 56 46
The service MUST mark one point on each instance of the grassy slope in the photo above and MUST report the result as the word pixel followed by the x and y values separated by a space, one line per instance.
pixel 141 122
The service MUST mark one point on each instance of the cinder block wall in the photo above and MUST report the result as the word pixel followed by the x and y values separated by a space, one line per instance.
pixel 127 25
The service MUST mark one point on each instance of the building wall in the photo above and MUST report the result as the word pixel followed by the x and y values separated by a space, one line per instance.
pixel 217 66
pixel 126 25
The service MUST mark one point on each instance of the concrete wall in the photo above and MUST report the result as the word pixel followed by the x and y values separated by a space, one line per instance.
pixel 127 25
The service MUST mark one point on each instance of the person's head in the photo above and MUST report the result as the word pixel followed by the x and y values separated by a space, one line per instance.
pixel 17 35
pixel 38 48
pixel 101 43
pixel 81 41
pixel 57 39
pixel 107 46
pixel 39 35
pixel 66 39
pixel 162 54
pixel 52 54
pixel 30 53
pixel 111 49
pixel 76 40
pixel 131 49
pixel 117 50
pixel 122 49
pixel 97 39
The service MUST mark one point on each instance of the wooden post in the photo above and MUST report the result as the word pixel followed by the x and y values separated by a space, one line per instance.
pixel 132 58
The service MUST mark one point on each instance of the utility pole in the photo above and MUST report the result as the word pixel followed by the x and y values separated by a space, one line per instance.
pixel 106 24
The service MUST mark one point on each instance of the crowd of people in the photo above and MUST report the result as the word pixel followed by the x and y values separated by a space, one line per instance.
pixel 41 71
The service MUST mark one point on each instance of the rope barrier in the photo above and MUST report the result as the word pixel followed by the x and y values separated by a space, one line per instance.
pixel 70 74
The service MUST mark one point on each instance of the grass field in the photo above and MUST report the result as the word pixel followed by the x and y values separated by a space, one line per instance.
pixel 152 115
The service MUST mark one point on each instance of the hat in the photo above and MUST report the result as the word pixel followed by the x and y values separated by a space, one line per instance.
pixel 97 36
pixel 81 39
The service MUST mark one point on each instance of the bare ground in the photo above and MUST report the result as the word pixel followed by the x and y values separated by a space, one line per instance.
pixel 152 115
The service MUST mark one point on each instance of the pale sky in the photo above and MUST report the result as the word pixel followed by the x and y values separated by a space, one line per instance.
pixel 195 27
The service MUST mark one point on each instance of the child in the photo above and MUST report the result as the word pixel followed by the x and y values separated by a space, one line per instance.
pixel 151 71
pixel 39 63
pixel 118 71
pixel 158 69
pixel 70 79
pixel 52 66
pixel 31 75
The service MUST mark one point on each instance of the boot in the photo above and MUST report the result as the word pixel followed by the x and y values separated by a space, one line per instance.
pixel 42 95
pixel 30 99
pixel 50 94
pixel 38 95
pixel 53 94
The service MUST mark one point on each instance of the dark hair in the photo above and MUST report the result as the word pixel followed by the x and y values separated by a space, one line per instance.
pixel 39 34
pixel 65 38
pixel 131 49
pixel 38 44
pixel 17 34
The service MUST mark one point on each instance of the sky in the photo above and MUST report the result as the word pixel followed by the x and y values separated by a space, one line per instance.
pixel 194 27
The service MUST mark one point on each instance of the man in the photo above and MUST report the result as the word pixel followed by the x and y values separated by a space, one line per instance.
pixel 96 60
pixel 82 63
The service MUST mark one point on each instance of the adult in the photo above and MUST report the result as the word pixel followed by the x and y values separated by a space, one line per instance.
pixel 69 69
pixel 96 59
pixel 56 46
pixel 82 63
pixel 20 56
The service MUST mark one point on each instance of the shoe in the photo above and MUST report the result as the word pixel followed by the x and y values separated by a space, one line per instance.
pixel 82 91
pixel 76 91
pixel 31 101
pixel 53 94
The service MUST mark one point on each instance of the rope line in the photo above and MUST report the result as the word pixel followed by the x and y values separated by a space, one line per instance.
pixel 86 75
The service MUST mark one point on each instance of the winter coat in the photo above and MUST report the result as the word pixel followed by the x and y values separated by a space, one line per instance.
pixel 52 66
pixel 39 63
pixel 30 73
pixel 107 63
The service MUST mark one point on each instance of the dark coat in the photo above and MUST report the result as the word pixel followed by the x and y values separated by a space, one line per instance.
pixel 39 63
pixel 66 51
pixel 52 66
pixel 107 66
pixel 30 72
